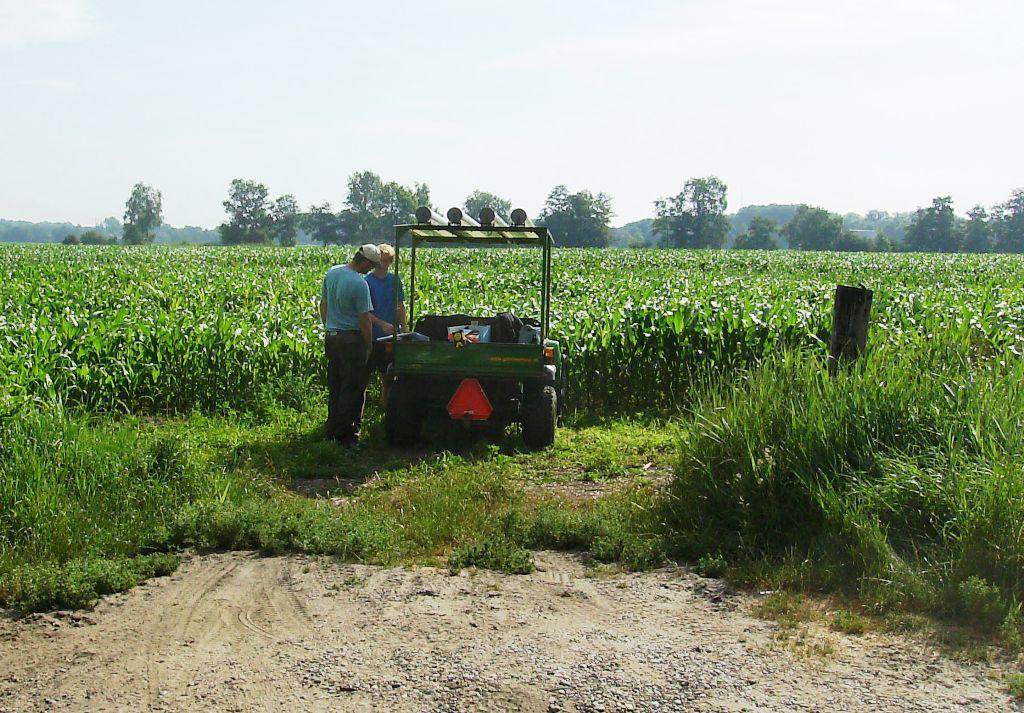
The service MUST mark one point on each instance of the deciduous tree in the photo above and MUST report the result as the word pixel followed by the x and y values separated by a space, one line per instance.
pixel 760 235
pixel 934 229
pixel 375 207
pixel 143 214
pixel 577 219
pixel 322 224
pixel 694 218
pixel 249 219
pixel 285 216
pixel 813 229
pixel 977 234
pixel 1008 219
pixel 477 200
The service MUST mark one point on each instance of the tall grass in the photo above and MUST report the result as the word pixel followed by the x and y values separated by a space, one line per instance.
pixel 69 487
pixel 901 479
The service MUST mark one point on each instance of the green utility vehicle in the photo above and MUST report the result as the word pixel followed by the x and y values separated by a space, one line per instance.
pixel 439 371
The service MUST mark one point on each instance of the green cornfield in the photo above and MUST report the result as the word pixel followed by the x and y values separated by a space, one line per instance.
pixel 176 329
pixel 173 329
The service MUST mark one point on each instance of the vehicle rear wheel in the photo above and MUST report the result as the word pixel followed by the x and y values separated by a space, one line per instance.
pixel 540 414
pixel 402 419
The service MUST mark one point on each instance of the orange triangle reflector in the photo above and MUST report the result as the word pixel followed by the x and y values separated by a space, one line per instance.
pixel 469 402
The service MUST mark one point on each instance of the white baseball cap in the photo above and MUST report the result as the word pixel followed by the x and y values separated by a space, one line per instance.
pixel 370 252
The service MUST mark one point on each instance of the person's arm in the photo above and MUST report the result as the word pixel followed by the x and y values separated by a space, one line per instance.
pixel 366 327
pixel 386 326
pixel 323 302
pixel 364 306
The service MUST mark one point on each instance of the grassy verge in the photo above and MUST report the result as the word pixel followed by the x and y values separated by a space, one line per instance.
pixel 900 482
pixel 94 505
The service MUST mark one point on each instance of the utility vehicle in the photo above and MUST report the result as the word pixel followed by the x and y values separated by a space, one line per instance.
pixel 514 376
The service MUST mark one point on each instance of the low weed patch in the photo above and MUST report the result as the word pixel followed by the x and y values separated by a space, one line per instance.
pixel 848 622
pixel 80 582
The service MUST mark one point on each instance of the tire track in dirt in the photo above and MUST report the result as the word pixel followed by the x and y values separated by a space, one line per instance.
pixel 186 598
pixel 235 631
pixel 254 613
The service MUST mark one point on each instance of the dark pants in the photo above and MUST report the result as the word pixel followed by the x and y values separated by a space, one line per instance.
pixel 346 384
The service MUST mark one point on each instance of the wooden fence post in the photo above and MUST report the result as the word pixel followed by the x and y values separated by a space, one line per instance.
pixel 850 315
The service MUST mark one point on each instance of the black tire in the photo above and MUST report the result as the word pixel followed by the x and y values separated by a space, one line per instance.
pixel 402 419
pixel 540 415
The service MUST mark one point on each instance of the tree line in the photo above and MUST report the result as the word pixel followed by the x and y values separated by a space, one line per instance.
pixel 693 218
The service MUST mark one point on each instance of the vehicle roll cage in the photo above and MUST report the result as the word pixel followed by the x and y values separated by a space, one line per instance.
pixel 464 234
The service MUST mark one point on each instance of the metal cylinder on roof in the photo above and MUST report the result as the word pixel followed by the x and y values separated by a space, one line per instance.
pixel 456 217
pixel 519 218
pixel 488 218
pixel 429 217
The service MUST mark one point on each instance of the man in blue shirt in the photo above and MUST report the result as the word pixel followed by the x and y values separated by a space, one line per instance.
pixel 388 315
pixel 345 312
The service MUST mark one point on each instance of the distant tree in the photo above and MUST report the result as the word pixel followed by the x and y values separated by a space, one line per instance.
pixel 353 229
pixel 112 227
pixel 482 199
pixel 892 224
pixel 781 214
pixel 813 229
pixel 284 214
pixel 421 195
pixel 760 235
pixel 375 207
pixel 71 239
pixel 577 219
pixel 143 214
pixel 850 242
pixel 399 206
pixel 638 234
pixel 695 218
pixel 933 229
pixel 1008 219
pixel 94 237
pixel 322 224
pixel 249 219
pixel 977 233
pixel 884 244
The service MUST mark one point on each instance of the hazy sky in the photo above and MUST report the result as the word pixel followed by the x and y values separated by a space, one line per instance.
pixel 849 105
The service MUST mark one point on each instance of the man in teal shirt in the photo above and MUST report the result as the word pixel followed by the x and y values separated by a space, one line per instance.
pixel 345 312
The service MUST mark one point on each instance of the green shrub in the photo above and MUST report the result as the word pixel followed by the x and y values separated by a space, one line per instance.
pixel 494 552
pixel 1012 629
pixel 1015 685
pixel 979 603
pixel 641 553
pixel 848 622
pixel 711 566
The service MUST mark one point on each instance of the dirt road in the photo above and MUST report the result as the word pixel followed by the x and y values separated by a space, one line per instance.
pixel 237 632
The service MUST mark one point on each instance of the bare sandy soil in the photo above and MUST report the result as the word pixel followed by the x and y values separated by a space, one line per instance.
pixel 237 632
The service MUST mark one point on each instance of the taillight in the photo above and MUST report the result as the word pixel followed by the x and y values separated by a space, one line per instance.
pixel 549 355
